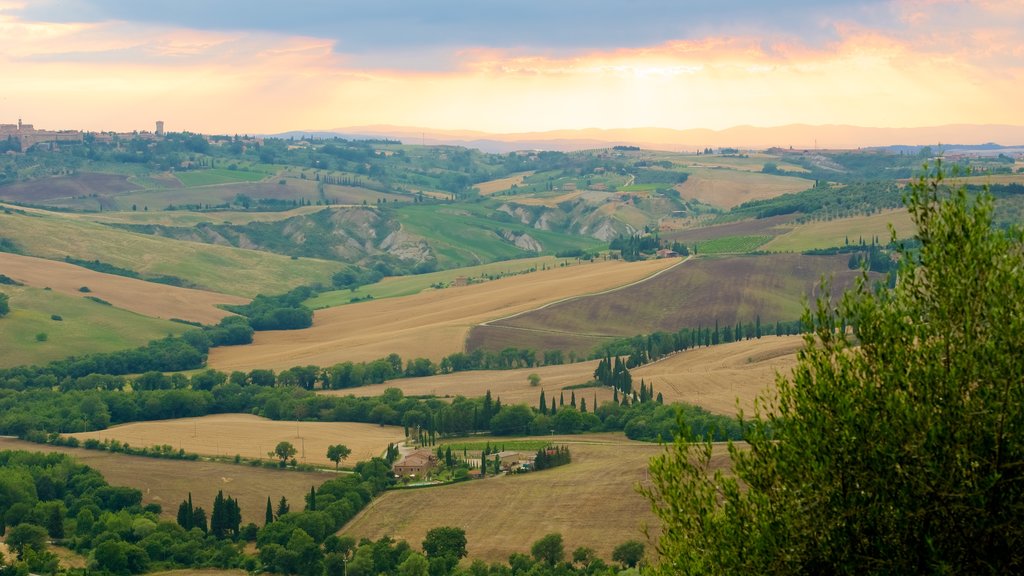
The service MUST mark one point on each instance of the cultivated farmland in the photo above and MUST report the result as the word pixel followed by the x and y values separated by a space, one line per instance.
pixel 591 502
pixel 699 292
pixel 723 377
pixel 146 298
pixel 253 437
pixel 168 482
pixel 511 386
pixel 83 184
pixel 726 188
pixel 829 233
pixel 430 324
pixel 501 184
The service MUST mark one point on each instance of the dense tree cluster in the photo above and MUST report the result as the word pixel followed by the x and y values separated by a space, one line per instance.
pixel 897 446
pixel 51 497
pixel 552 456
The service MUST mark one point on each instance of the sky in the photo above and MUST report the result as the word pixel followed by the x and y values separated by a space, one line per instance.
pixel 244 66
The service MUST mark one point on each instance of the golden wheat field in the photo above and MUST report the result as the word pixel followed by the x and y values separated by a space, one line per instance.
pixel 429 324
pixel 592 502
pixel 253 437
pixel 146 298
pixel 512 386
pixel 501 184
pixel 715 378
pixel 727 188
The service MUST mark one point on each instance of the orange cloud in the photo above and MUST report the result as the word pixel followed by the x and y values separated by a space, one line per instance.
pixel 118 76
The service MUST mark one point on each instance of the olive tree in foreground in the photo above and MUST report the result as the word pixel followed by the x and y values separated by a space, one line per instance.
pixel 896 447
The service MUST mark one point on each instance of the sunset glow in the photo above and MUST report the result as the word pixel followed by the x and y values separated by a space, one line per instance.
pixel 928 63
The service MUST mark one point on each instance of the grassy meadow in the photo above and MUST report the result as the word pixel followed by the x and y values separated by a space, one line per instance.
pixel 826 234
pixel 217 268
pixel 464 236
pixel 213 176
pixel 397 286
pixel 85 327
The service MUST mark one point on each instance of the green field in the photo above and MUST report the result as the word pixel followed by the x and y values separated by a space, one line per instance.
pixel 86 327
pixel 217 176
pixel 643 187
pixel 186 218
pixel 731 244
pixel 465 236
pixel 397 286
pixel 831 233
pixel 219 268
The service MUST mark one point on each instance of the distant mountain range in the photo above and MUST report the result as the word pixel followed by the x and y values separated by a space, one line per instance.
pixel 797 136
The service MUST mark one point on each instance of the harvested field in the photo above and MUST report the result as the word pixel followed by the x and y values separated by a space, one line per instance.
pixel 83 184
pixel 591 502
pixel 721 377
pixel 727 188
pixel 713 378
pixel 501 184
pixel 168 482
pixel 429 324
pixel 511 386
pixel 253 437
pixel 697 293
pixel 84 327
pixel 146 298
pixel 826 234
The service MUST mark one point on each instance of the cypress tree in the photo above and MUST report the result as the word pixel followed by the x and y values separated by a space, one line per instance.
pixel 543 403
pixel 553 409
pixel 218 516
pixel 583 405
pixel 269 518
pixel 561 399
pixel 234 517
pixel 199 519
pixel 185 515
pixel 311 499
pixel 572 399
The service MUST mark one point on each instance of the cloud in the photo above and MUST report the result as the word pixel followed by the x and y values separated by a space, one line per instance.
pixel 391 33
pixel 931 62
